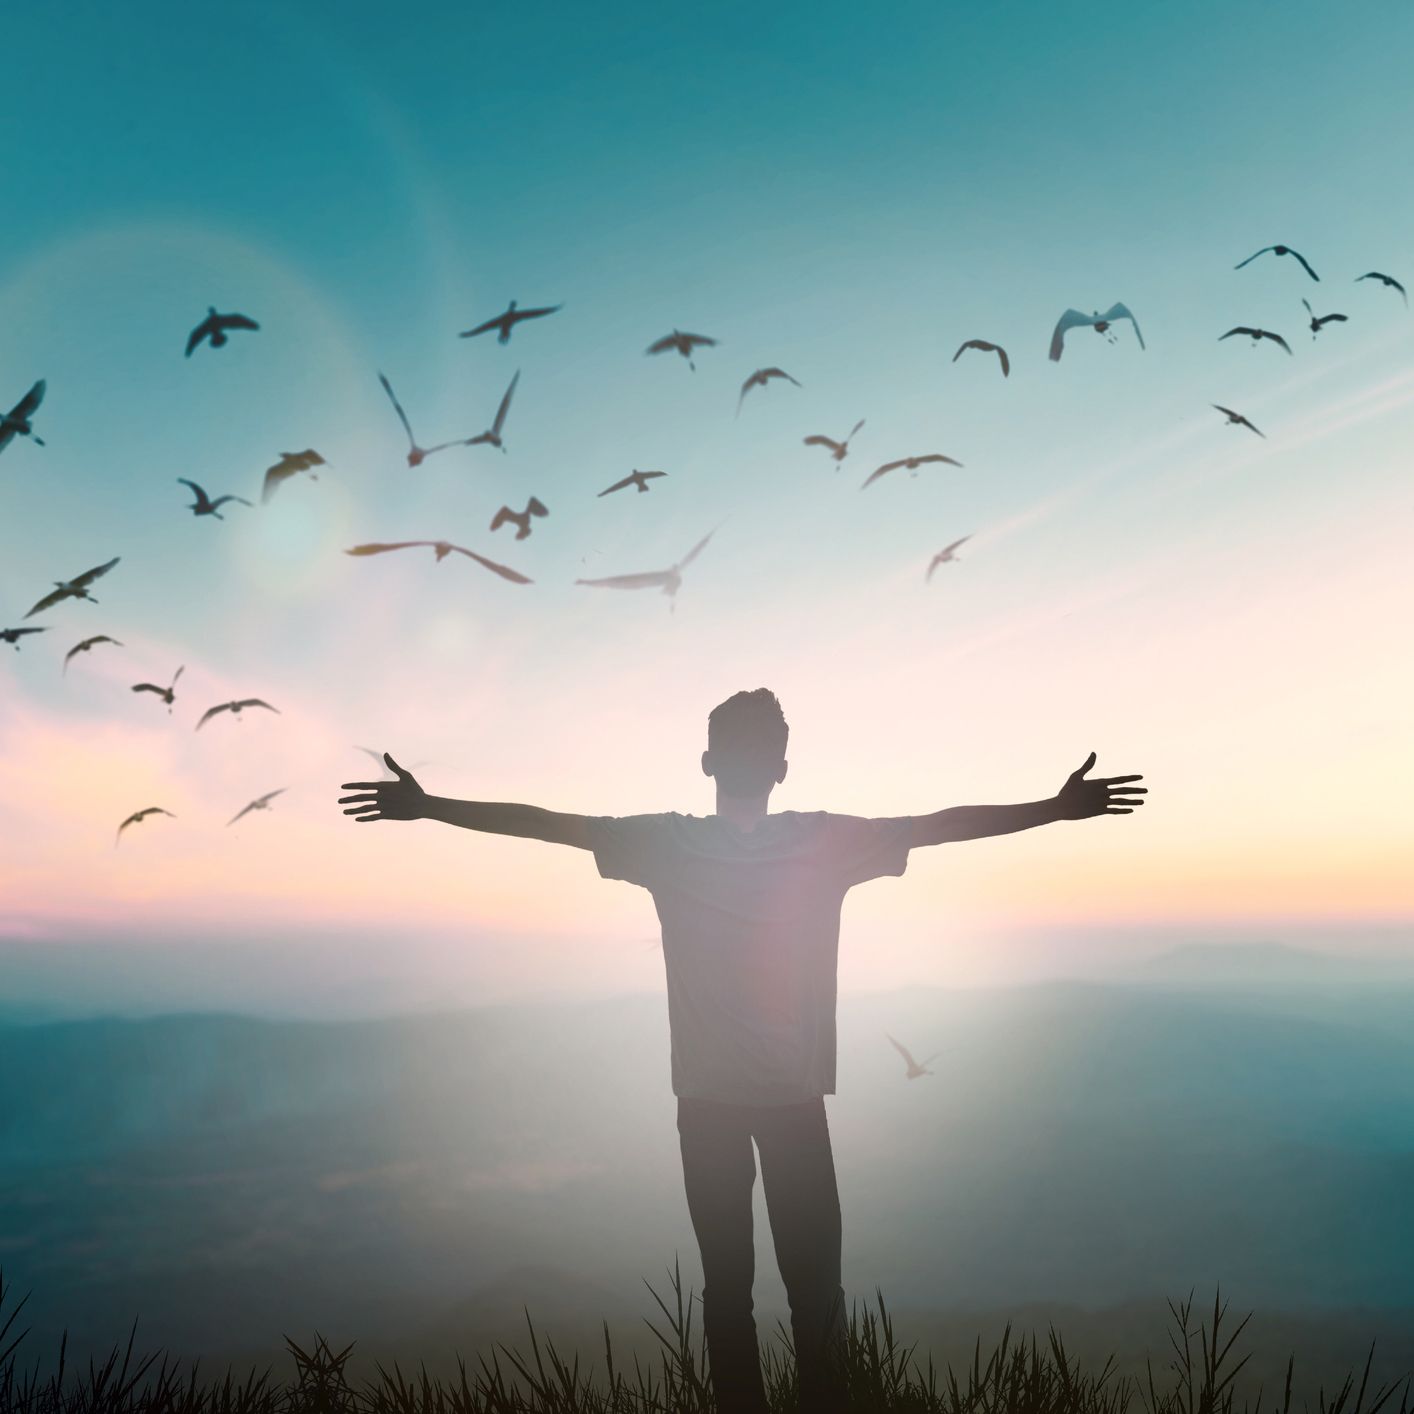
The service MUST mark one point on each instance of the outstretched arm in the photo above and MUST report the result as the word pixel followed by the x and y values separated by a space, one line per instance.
pixel 404 799
pixel 1077 799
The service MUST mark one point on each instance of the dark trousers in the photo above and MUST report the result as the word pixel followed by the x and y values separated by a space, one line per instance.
pixel 802 1201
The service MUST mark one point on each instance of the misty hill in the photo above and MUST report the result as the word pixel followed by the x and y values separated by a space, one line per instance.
pixel 1272 964
pixel 228 1179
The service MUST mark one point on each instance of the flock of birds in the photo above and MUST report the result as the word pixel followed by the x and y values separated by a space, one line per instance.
pixel 216 329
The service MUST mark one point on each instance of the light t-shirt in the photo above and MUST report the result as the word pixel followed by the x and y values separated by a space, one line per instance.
pixel 751 926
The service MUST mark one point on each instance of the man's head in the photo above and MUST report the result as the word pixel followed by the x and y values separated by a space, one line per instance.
pixel 746 744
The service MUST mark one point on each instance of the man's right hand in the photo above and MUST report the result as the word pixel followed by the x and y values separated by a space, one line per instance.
pixel 399 799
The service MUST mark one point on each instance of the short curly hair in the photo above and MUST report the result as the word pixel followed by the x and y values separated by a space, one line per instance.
pixel 746 736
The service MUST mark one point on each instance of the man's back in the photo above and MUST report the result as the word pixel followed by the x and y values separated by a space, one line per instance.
pixel 750 924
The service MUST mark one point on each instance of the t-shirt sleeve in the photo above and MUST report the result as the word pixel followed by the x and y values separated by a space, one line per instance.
pixel 629 847
pixel 855 848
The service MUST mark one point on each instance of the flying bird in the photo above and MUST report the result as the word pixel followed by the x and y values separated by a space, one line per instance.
pixel 1257 336
pixel 259 803
pixel 234 708
pixel 1237 419
pixel 1100 323
pixel 634 478
pixel 988 347
pixel 416 454
pixel 86 645
pixel 759 379
pixel 378 757
pixel 137 817
pixel 214 327
pixel 683 343
pixel 1318 322
pixel 668 580
pixel 19 421
pixel 443 548
pixel 168 694
pixel 945 556
pixel 204 505
pixel 289 464
pixel 13 635
pixel 493 437
pixel 507 321
pixel 838 450
pixel 1280 250
pixel 73 588
pixel 520 519
pixel 1388 281
pixel 912 463
pixel 914 1068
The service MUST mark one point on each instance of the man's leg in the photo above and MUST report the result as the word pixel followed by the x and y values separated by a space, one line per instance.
pixel 798 1174
pixel 719 1172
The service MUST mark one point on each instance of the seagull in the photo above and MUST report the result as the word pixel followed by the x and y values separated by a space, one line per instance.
pixel 945 556
pixel 1100 323
pixel 1387 280
pixel 1318 322
pixel 634 478
pixel 683 343
pixel 838 450
pixel 507 321
pixel 759 379
pixel 914 1068
pixel 234 708
pixel 214 327
pixel 1280 250
pixel 13 635
pixel 668 580
pixel 167 694
pixel 493 437
pixel 912 463
pixel 443 548
pixel 73 588
pixel 987 347
pixel 1237 419
pixel 204 505
pixel 286 467
pixel 378 757
pixel 18 422
pixel 260 803
pixel 415 453
pixel 520 519
pixel 86 645
pixel 137 817
pixel 1257 336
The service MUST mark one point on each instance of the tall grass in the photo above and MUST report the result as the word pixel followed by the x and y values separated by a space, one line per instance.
pixel 1023 1377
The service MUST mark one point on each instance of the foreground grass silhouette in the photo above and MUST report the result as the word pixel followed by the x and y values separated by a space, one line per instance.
pixel 1022 1378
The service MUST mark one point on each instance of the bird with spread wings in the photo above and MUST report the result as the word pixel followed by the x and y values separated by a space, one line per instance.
pixel 668 580
pixel 204 505
pixel 915 1068
pixel 214 327
pixel 946 556
pixel 259 803
pixel 493 436
pixel 442 549
pixel 1280 250
pixel 235 709
pixel 76 588
pixel 289 464
pixel 683 343
pixel 19 421
pixel 912 463
pixel 838 450
pixel 1100 323
pixel 137 817
pixel 504 323
pixel 987 346
pixel 87 644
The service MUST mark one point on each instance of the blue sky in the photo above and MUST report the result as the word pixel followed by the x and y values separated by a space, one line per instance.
pixel 843 192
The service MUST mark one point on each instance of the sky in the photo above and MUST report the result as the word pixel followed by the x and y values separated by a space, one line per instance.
pixel 842 193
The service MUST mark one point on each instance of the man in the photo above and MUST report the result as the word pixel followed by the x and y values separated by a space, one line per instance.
pixel 750 909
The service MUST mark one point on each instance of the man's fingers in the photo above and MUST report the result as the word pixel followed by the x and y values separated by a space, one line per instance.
pixel 1117 780
pixel 1117 810
pixel 1128 790
pixel 362 785
pixel 353 799
pixel 363 810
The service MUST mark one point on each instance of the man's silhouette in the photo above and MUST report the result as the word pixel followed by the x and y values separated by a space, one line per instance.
pixel 750 909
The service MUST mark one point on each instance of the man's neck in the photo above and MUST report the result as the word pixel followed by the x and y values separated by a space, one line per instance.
pixel 743 811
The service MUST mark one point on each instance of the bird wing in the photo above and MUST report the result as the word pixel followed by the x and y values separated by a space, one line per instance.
pixel 938 457
pixel 903 1051
pixel 1069 320
pixel 1253 257
pixel 854 429
pixel 819 441
pixel 199 333
pixel 501 517
pixel 210 712
pixel 1276 338
pixel 16 632
pixel 506 401
pixel 617 486
pixel 696 550
pixel 274 476
pixel 271 794
pixel 956 545
pixel 700 339
pixel 236 321
pixel 88 576
pixel 221 501
pixel 147 687
pixel 1222 409
pixel 1333 318
pixel 1309 310
pixel 1120 311
pixel 398 408
pixel 1305 264
pixel 1006 362
pixel 668 341
pixel 50 599
pixel 28 404
pixel 256 702
pixel 244 810
pixel 650 579
pixel 1241 329
pixel 482 328
pixel 536 313
pixel 536 507
pixel 202 499
pixel 881 470
pixel 781 373
pixel 505 572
